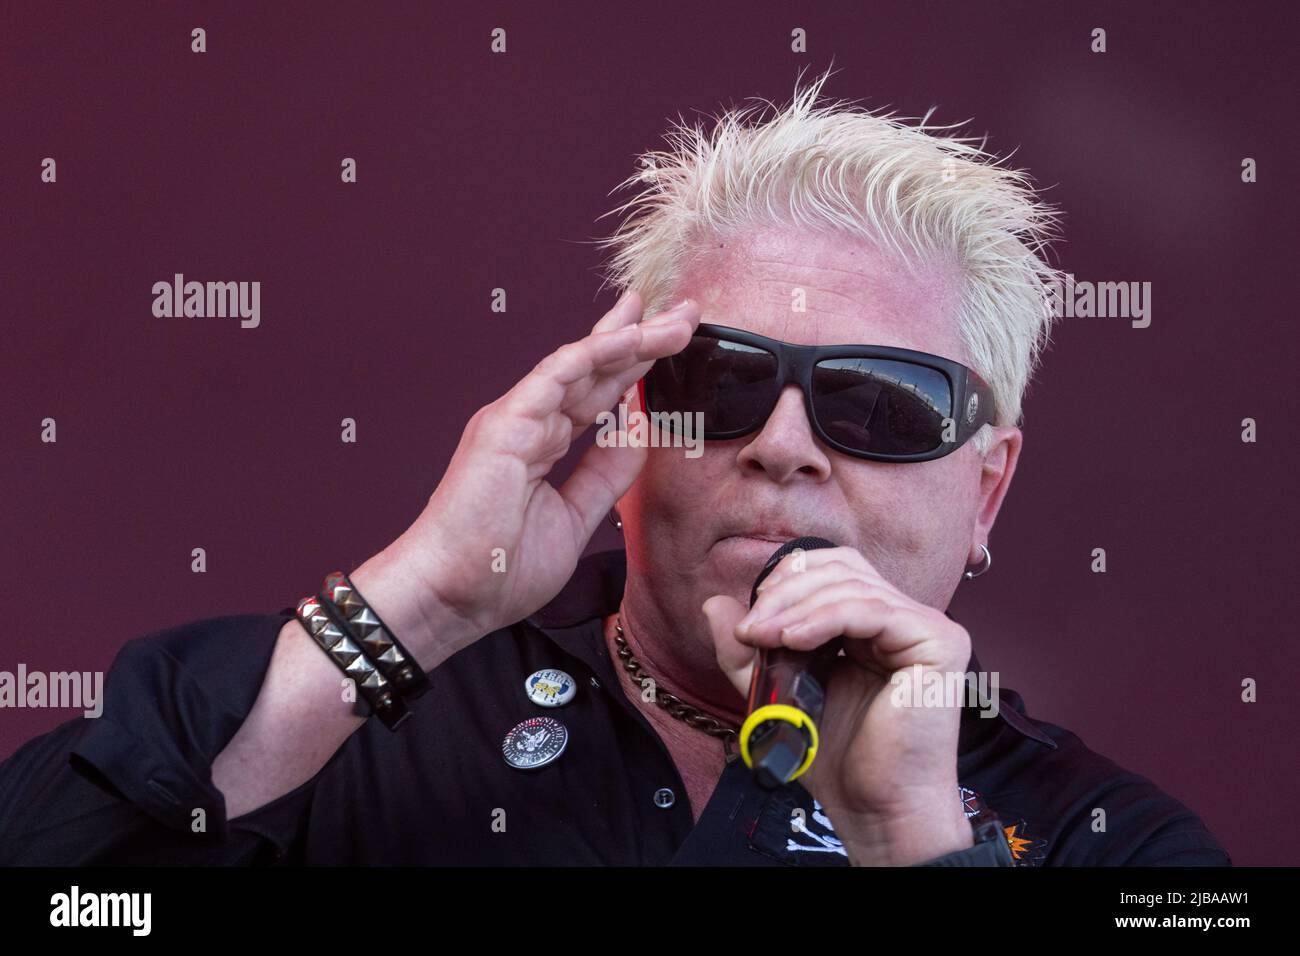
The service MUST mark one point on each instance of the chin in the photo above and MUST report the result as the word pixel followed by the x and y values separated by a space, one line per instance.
pixel 736 561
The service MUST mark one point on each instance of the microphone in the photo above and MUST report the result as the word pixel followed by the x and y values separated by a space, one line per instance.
pixel 787 693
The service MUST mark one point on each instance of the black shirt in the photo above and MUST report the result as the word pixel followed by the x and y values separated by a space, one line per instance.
pixel 125 787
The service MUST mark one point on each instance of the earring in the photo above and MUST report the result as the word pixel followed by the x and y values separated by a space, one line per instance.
pixel 983 568
pixel 615 521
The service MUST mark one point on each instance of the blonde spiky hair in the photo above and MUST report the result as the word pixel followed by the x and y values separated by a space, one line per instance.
pixel 836 168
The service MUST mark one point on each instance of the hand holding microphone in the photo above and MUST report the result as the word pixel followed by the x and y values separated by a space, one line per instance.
pixel 787 694
pixel 885 774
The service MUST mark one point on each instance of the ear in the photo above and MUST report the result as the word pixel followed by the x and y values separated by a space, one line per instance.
pixel 996 471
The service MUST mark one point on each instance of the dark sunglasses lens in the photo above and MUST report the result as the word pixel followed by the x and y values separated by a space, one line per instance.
pixel 881 406
pixel 730 383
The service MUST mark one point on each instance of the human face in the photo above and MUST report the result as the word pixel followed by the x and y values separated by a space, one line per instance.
pixel 701 526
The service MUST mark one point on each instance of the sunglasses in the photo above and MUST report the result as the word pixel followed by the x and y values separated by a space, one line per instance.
pixel 868 401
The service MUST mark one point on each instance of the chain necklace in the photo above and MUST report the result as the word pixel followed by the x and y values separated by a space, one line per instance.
pixel 676 707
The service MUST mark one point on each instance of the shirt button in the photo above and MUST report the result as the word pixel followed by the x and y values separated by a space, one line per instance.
pixel 664 798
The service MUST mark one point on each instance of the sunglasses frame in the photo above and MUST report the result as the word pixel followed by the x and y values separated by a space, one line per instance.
pixel 795 364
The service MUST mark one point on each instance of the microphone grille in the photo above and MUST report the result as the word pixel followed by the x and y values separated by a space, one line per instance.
pixel 807 543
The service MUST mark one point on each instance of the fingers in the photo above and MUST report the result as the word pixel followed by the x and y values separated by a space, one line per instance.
pixel 899 635
pixel 839 593
pixel 804 561
pixel 626 310
pixel 774 596
pixel 735 659
pixel 602 476
pixel 614 358
pixel 655 335
pixel 620 344
pixel 774 631
pixel 895 630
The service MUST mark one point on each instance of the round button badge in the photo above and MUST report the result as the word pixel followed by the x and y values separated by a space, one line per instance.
pixel 534 742
pixel 550 687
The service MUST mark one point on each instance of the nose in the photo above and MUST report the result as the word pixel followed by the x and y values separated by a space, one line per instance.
pixel 785 446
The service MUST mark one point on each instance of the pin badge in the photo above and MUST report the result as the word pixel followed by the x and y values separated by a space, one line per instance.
pixel 534 742
pixel 550 688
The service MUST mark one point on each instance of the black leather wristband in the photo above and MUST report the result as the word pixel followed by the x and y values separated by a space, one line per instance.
pixel 345 603
pixel 381 696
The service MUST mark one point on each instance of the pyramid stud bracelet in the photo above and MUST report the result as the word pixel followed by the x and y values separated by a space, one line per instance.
pixel 354 637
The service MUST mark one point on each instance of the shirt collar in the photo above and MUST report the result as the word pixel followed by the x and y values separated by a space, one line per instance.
pixel 596 588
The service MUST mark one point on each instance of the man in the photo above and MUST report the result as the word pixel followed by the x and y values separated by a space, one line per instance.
pixel 585 712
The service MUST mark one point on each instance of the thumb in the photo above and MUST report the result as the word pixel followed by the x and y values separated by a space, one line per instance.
pixel 736 660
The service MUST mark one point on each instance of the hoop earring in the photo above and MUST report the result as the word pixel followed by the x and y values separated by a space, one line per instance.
pixel 616 522
pixel 983 568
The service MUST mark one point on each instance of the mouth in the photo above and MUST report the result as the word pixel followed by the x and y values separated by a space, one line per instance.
pixel 739 553
pixel 771 528
pixel 770 537
pixel 756 541
pixel 739 556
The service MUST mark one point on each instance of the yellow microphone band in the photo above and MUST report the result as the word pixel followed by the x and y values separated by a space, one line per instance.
pixel 791 715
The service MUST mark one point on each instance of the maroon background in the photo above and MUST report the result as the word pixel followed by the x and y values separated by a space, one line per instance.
pixel 478 171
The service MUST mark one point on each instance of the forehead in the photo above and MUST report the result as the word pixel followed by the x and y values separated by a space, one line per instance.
pixel 851 290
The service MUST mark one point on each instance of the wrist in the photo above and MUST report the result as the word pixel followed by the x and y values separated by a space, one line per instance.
pixel 393 584
pixel 928 828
